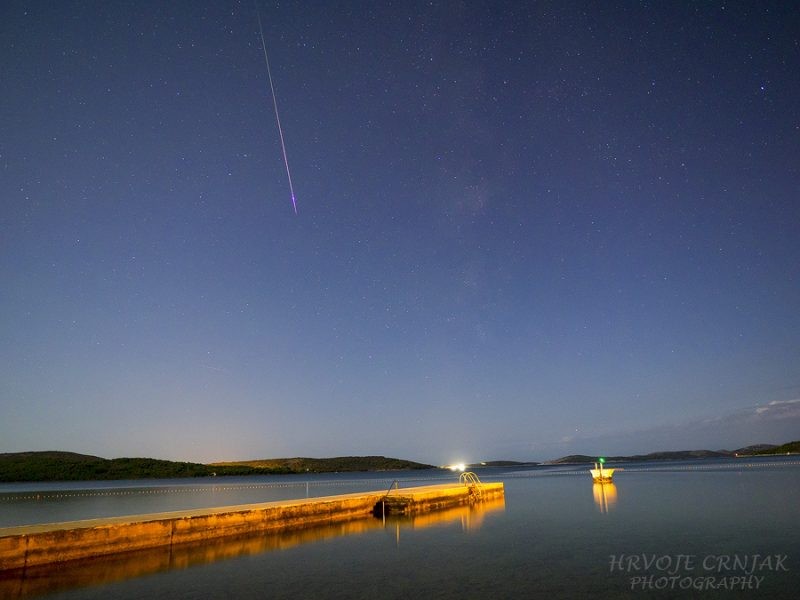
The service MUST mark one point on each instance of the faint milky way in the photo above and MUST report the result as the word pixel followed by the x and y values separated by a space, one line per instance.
pixel 528 229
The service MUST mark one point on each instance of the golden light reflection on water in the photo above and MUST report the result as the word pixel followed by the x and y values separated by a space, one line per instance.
pixel 470 516
pixel 605 496
pixel 37 581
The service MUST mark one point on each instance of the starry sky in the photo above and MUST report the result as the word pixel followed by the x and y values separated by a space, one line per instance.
pixel 524 229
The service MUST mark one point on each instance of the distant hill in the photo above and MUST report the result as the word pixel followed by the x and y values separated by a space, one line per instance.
pixel 503 463
pixel 755 450
pixel 573 459
pixel 69 466
pixel 788 448
pixel 679 455
pixel 338 464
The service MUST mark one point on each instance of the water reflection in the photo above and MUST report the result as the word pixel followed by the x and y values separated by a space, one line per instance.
pixel 36 581
pixel 470 517
pixel 605 496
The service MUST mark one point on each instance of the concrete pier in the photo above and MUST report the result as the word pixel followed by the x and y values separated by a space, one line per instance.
pixel 434 497
pixel 34 545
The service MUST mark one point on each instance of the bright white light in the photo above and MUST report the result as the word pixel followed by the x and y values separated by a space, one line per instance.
pixel 458 467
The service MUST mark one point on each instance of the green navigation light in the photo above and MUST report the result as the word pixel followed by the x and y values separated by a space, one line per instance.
pixel 602 460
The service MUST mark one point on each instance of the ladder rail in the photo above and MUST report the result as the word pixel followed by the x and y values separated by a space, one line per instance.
pixel 474 484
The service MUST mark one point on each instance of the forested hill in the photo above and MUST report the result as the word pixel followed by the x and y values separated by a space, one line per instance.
pixel 339 464
pixel 754 450
pixel 787 448
pixel 70 466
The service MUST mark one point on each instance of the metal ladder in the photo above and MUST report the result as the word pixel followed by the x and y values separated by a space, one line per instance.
pixel 396 485
pixel 474 485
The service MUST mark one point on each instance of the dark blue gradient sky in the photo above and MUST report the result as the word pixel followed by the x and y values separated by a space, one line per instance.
pixel 525 229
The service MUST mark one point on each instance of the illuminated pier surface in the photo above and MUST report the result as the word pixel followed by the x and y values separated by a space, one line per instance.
pixel 33 545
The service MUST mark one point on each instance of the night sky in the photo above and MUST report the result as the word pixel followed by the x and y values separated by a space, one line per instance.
pixel 524 229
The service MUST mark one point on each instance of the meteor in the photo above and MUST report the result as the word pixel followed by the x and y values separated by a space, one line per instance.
pixel 275 105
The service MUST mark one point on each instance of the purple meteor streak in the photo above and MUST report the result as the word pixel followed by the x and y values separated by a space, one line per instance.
pixel 275 104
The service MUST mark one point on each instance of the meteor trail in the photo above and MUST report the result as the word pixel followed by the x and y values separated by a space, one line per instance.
pixel 275 104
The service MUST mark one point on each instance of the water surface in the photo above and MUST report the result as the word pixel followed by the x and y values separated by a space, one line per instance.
pixel 556 535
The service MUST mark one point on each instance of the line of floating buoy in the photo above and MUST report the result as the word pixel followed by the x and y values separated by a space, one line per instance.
pixel 45 495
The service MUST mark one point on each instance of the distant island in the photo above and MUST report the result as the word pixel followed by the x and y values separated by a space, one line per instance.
pixel 70 466
pixel 756 450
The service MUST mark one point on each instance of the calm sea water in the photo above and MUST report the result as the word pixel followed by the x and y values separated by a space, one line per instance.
pixel 666 530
